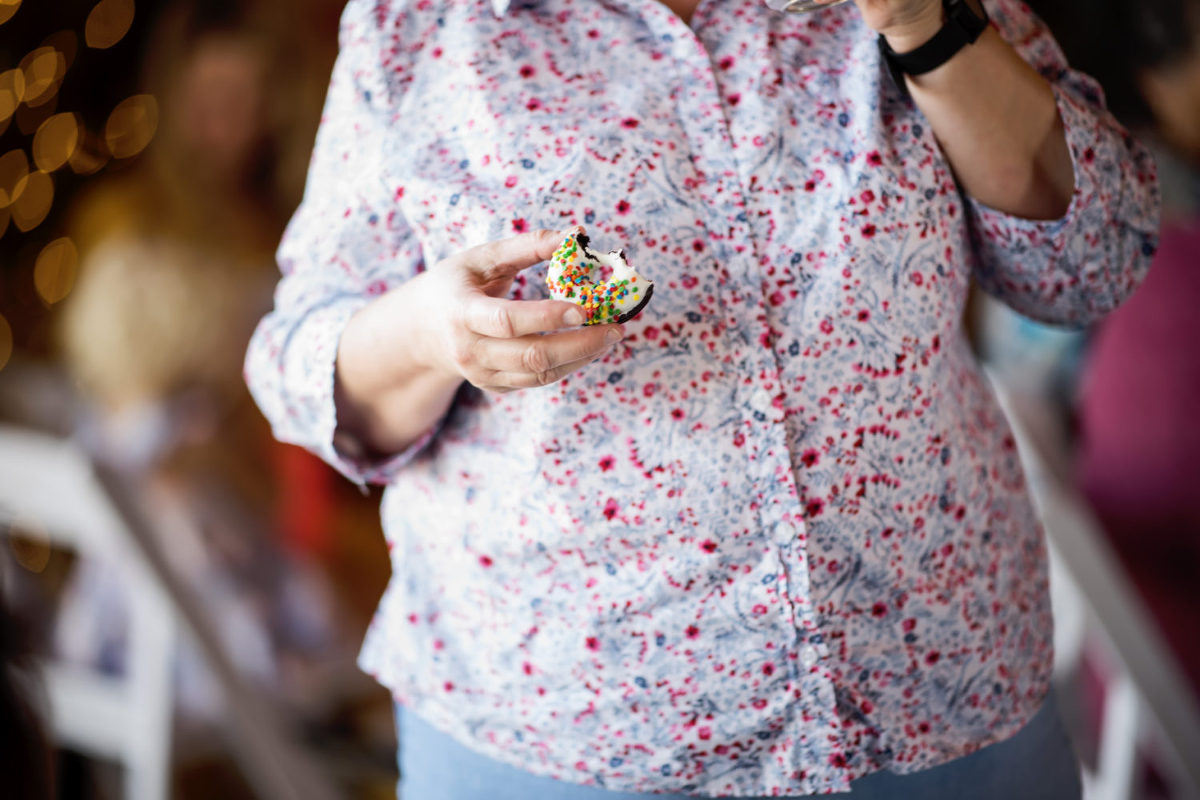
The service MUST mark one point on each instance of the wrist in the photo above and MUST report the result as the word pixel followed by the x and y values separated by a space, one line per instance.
pixel 389 382
pixel 406 329
pixel 387 344
pixel 423 334
pixel 908 35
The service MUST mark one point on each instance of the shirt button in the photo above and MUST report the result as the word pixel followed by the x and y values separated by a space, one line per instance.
pixel 761 401
pixel 786 534
pixel 808 656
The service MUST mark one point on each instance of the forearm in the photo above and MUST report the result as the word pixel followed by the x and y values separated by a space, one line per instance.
pixel 386 394
pixel 997 122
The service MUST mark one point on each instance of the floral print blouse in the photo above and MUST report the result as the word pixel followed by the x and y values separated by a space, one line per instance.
pixel 778 538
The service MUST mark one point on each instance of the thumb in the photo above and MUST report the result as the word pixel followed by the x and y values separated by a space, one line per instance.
pixel 502 259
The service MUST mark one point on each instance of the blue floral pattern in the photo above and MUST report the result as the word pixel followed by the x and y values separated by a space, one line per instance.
pixel 779 538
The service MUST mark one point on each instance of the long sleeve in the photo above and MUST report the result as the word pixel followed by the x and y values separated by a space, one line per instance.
pixel 1076 269
pixel 346 244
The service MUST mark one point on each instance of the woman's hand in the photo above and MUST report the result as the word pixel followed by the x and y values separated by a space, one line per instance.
pixel 497 344
pixel 994 116
pixel 402 357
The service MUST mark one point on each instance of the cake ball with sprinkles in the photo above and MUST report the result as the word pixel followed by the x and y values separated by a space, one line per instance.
pixel 574 277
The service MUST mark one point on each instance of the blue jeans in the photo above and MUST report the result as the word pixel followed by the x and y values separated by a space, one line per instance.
pixel 1035 764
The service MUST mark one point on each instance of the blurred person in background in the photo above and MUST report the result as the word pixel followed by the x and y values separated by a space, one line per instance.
pixel 211 178
pixel 176 268
pixel 1139 398
pixel 174 251
pixel 176 265
pixel 199 218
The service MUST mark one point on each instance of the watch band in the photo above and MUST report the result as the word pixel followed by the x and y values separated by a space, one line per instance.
pixel 963 26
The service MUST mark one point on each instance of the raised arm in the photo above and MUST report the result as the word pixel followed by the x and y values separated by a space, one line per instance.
pixel 1062 201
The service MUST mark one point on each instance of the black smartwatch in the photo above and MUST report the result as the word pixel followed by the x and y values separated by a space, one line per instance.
pixel 966 20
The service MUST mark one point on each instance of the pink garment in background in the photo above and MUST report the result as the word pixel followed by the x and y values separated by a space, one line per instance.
pixel 1140 442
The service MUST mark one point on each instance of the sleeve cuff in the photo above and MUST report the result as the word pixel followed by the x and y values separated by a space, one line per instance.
pixel 1074 270
pixel 1000 230
pixel 312 359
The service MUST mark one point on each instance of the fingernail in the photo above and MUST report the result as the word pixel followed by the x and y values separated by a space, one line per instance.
pixel 614 335
pixel 573 317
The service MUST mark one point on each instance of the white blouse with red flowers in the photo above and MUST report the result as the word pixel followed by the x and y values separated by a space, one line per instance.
pixel 779 538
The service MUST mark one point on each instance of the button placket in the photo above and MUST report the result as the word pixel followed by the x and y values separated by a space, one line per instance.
pixel 711 140
pixel 809 656
pixel 783 518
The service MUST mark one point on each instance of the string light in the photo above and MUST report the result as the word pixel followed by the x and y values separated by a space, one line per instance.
pixel 12 91
pixel 55 141
pixel 29 118
pixel 29 101
pixel 55 270
pixel 89 156
pixel 108 23
pixel 14 167
pixel 7 9
pixel 131 126
pixel 44 69
pixel 65 42
pixel 33 201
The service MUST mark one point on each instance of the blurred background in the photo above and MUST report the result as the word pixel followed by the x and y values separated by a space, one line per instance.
pixel 150 155
pixel 181 597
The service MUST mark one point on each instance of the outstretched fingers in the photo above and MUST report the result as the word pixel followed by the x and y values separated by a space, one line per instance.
pixel 507 319
pixel 537 360
pixel 502 259
pixel 509 381
pixel 500 344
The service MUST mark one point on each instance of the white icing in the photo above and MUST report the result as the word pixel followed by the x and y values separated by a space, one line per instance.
pixel 621 271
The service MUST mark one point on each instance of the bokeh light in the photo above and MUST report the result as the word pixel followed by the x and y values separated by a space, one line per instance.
pixel 30 118
pixel 6 341
pixel 4 215
pixel 14 167
pixel 55 141
pixel 55 270
pixel 44 69
pixel 108 23
pixel 7 9
pixel 33 201
pixel 131 125
pixel 89 155
pixel 65 42
pixel 12 91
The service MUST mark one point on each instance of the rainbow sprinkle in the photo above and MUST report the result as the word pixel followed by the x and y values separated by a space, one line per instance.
pixel 572 267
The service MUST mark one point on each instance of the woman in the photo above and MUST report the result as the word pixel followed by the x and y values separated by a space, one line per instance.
pixel 770 537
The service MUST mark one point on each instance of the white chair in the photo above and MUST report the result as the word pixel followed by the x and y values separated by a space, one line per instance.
pixel 1148 700
pixel 83 506
pixel 48 485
